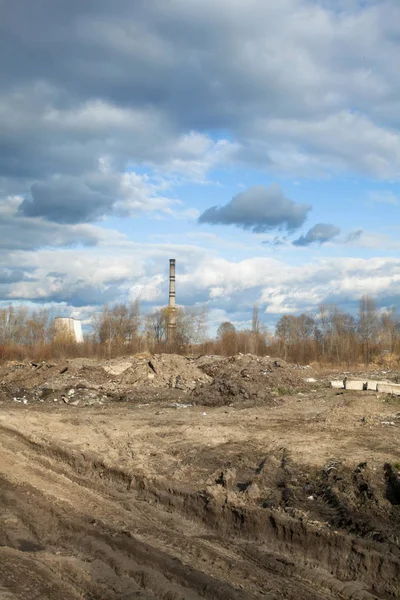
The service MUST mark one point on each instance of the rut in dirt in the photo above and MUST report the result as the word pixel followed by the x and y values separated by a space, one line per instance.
pixel 271 543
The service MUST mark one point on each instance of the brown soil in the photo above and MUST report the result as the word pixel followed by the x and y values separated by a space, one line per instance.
pixel 139 492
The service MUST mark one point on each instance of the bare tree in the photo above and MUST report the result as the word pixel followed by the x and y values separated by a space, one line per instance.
pixel 390 326
pixel 255 324
pixel 224 328
pixel 228 338
pixel 367 325
pixel 286 331
pixel 156 326
pixel 117 326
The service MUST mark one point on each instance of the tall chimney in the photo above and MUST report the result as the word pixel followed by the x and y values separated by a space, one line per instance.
pixel 172 301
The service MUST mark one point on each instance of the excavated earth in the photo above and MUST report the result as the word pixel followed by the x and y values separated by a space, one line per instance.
pixel 177 478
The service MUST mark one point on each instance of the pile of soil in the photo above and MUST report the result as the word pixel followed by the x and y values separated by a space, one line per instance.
pixel 168 371
pixel 96 381
pixel 208 380
pixel 246 378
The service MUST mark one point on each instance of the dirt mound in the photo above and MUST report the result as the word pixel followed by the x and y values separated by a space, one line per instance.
pixel 164 371
pixel 210 380
pixel 125 378
pixel 246 378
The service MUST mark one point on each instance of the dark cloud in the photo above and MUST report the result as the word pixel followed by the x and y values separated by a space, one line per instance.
pixel 276 242
pixel 319 234
pixel 259 209
pixel 22 233
pixel 353 236
pixel 66 201
pixel 13 276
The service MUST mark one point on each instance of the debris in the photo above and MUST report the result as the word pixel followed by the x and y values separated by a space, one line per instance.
pixel 310 380
pixel 246 378
pixel 388 423
pixel 117 367
pixel 152 367
pixel 280 363
pixel 63 370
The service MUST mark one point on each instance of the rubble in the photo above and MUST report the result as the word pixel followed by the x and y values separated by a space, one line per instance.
pixel 209 380
pixel 247 378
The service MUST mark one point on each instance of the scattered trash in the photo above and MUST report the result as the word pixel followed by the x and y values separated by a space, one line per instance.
pixel 204 414
pixel 179 405
pixel 279 363
pixel 64 370
pixel 310 380
pixel 388 423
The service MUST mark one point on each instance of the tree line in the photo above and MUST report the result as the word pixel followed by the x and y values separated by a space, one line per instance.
pixel 334 336
pixel 329 335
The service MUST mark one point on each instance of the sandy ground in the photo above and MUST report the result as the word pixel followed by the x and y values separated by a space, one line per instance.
pixel 295 498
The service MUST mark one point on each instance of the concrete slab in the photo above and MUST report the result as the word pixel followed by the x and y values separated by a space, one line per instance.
pixel 389 388
pixel 372 385
pixel 353 384
pixel 338 384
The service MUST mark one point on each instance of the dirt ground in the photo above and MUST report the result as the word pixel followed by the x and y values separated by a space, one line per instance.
pixel 179 479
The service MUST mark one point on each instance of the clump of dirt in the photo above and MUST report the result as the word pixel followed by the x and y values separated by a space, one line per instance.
pixel 246 378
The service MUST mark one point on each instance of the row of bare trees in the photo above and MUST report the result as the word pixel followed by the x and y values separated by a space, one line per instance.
pixel 114 331
pixel 334 336
pixel 329 335
pixel 123 327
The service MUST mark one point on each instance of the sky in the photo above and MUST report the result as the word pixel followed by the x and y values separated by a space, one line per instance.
pixel 256 142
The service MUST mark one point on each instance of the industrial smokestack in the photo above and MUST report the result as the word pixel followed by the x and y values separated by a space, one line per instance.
pixel 172 301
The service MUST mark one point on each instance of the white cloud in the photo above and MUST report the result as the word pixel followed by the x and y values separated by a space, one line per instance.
pixel 384 197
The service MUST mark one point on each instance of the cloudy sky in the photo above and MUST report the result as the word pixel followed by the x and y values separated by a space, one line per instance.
pixel 255 141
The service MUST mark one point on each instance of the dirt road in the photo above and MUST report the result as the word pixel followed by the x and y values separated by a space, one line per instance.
pixel 298 500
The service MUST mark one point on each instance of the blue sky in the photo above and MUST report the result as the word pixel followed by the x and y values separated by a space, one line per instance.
pixel 255 141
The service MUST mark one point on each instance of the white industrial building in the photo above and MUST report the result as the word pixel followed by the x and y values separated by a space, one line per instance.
pixel 69 328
